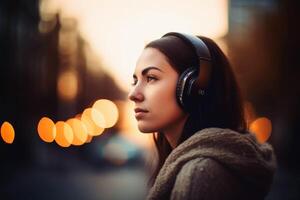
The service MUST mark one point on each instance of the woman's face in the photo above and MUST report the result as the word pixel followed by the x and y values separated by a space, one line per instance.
pixel 153 92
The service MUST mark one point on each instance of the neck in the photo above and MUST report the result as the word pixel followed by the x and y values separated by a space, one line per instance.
pixel 173 133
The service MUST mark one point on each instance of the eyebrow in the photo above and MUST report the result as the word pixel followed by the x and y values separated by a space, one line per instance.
pixel 145 71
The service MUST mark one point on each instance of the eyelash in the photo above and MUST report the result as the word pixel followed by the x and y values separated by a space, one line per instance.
pixel 148 78
pixel 134 82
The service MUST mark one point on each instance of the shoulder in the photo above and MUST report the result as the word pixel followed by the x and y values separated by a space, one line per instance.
pixel 203 167
pixel 205 178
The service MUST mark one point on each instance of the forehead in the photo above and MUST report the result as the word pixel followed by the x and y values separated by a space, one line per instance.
pixel 152 57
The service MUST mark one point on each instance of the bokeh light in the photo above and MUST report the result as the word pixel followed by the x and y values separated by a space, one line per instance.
pixel 262 128
pixel 78 116
pixel 46 129
pixel 89 139
pixel 79 131
pixel 98 118
pixel 64 134
pixel 109 111
pixel 115 153
pixel 92 128
pixel 67 85
pixel 7 132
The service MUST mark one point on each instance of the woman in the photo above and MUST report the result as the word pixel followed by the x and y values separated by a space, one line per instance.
pixel 185 93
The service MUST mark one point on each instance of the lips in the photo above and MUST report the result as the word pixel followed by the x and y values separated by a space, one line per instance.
pixel 140 113
pixel 137 110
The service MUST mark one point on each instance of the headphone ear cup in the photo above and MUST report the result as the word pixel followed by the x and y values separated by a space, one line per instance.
pixel 185 86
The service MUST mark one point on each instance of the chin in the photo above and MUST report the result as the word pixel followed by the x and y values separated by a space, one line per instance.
pixel 146 129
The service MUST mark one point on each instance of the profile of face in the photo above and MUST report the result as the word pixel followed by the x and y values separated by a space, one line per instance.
pixel 153 92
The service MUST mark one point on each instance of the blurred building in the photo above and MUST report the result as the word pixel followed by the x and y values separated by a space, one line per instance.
pixel 43 71
pixel 35 53
pixel 263 43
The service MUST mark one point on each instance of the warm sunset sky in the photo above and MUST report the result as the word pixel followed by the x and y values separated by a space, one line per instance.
pixel 117 30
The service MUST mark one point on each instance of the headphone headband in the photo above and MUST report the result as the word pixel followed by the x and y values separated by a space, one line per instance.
pixel 196 43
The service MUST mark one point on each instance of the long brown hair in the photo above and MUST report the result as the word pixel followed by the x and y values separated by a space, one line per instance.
pixel 222 104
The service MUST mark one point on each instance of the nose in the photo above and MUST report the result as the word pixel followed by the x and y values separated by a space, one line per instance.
pixel 136 94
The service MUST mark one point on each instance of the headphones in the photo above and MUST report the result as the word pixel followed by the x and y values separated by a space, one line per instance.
pixel 194 80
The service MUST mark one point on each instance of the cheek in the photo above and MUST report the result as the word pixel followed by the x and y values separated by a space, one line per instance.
pixel 167 114
pixel 164 110
pixel 163 98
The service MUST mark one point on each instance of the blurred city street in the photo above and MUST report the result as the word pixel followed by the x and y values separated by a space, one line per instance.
pixel 118 183
pixel 68 130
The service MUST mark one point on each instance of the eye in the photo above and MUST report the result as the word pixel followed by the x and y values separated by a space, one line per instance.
pixel 134 82
pixel 151 78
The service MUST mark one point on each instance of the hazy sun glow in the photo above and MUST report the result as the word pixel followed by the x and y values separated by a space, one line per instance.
pixel 118 30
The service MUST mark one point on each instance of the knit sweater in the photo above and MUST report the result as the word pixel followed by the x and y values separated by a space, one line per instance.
pixel 216 164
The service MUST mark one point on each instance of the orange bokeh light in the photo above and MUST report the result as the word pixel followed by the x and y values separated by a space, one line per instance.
pixel 46 129
pixel 7 132
pixel 78 116
pixel 67 85
pixel 109 111
pixel 88 121
pixel 64 134
pixel 261 128
pixel 89 139
pixel 79 131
